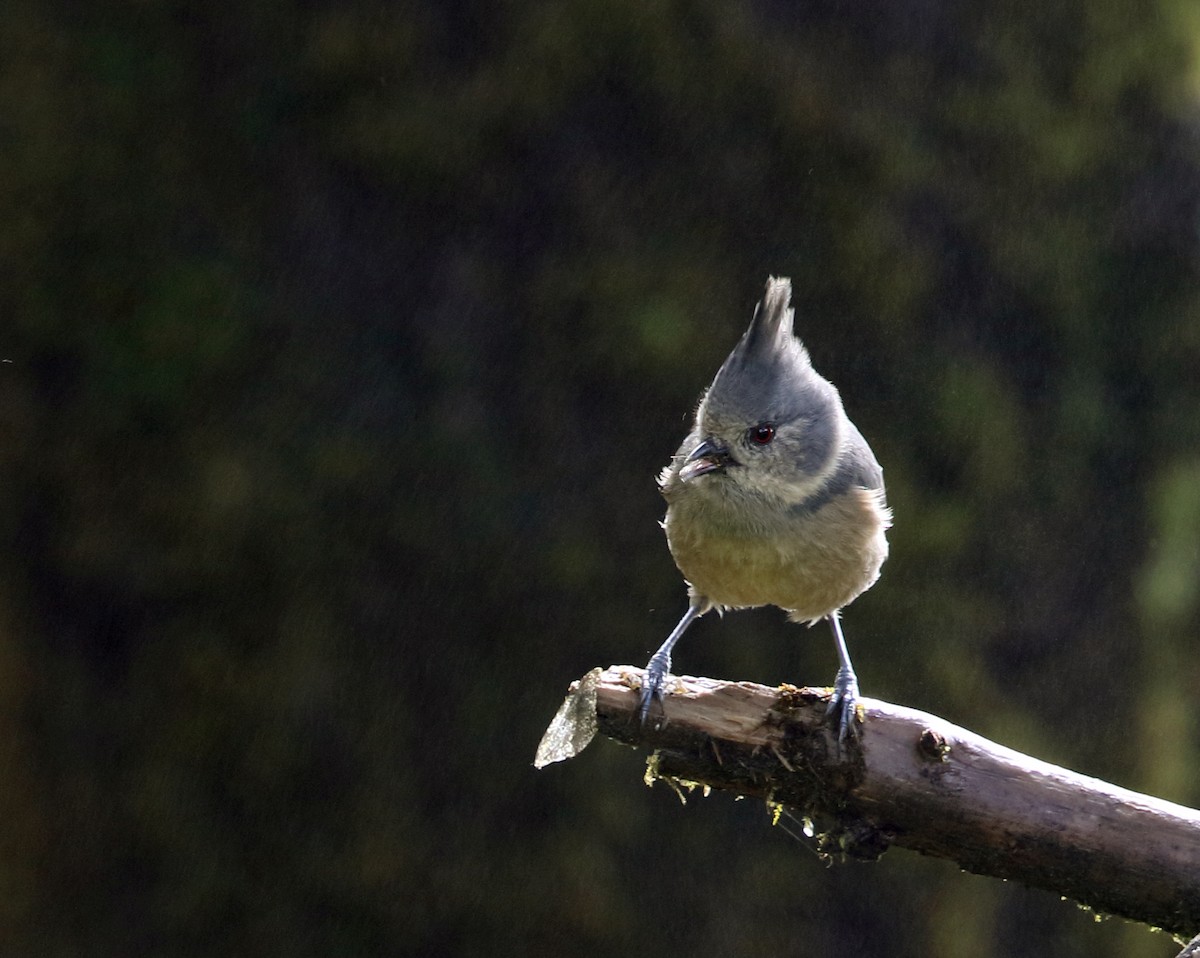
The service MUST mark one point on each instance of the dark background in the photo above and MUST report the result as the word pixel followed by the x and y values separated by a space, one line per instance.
pixel 343 341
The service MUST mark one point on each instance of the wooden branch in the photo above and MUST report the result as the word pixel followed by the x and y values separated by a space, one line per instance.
pixel 911 779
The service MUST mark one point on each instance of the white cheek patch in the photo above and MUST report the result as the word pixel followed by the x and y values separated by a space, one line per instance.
pixel 799 487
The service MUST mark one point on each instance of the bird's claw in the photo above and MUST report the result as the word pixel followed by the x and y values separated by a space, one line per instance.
pixel 652 685
pixel 843 704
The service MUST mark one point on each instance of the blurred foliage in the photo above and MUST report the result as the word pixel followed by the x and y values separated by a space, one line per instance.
pixel 346 339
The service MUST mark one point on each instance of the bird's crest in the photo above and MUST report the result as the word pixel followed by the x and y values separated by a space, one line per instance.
pixel 771 326
pixel 770 338
pixel 759 377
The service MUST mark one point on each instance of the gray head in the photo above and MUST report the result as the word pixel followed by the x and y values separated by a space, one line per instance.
pixel 768 424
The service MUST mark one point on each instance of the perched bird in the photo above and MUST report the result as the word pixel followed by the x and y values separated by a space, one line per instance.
pixel 774 497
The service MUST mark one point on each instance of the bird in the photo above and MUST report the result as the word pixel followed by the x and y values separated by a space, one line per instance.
pixel 774 498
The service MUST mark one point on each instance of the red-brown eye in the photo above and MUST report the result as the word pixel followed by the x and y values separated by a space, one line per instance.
pixel 762 434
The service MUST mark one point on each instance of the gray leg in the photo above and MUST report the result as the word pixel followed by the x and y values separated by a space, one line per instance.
pixel 660 662
pixel 845 686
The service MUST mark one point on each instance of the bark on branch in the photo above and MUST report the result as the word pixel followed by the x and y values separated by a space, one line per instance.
pixel 912 780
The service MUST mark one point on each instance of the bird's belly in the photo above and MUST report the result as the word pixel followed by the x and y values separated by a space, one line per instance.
pixel 810 567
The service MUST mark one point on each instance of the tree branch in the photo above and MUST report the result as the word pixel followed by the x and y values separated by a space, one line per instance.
pixel 911 779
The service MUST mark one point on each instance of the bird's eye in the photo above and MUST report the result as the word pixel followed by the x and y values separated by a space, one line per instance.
pixel 762 434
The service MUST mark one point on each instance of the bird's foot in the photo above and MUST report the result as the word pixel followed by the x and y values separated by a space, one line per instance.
pixel 657 670
pixel 843 704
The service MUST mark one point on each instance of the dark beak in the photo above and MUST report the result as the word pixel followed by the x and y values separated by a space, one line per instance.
pixel 709 456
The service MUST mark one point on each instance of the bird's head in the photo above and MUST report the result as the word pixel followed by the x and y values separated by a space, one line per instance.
pixel 768 424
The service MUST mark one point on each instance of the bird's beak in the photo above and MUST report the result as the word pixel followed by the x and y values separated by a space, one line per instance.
pixel 709 456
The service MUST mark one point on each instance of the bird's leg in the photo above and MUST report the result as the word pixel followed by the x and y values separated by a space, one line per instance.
pixel 845 686
pixel 660 662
